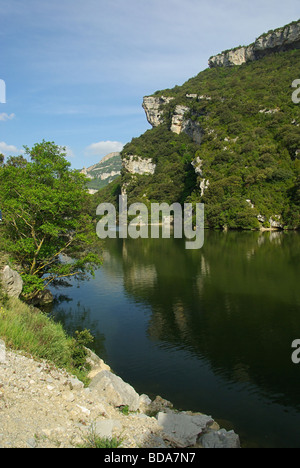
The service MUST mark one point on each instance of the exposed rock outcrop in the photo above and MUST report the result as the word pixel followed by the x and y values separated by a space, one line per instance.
pixel 11 282
pixel 138 165
pixel 197 164
pixel 117 392
pixel 155 107
pixel 220 439
pixel 183 429
pixel 204 184
pixel 279 40
pixel 178 120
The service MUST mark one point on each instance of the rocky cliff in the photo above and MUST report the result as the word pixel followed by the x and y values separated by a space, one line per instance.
pixel 155 106
pixel 279 40
pixel 137 165
pixel 104 172
pixel 229 140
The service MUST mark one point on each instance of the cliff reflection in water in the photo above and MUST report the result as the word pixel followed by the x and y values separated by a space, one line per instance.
pixel 234 303
pixel 210 330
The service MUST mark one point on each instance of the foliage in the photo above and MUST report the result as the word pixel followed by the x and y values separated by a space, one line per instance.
pixel 45 207
pixel 78 349
pixel 250 149
pixel 112 165
pixel 109 194
pixel 29 330
pixel 174 177
pixel 93 441
pixel 124 410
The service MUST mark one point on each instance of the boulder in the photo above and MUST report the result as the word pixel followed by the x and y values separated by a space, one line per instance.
pixel 115 391
pixel 220 439
pixel 96 364
pixel 144 403
pixel 183 429
pixel 160 405
pixel 11 281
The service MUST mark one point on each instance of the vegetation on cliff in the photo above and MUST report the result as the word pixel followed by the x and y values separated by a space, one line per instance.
pixel 249 151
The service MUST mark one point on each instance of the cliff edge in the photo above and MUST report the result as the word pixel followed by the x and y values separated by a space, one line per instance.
pixel 279 40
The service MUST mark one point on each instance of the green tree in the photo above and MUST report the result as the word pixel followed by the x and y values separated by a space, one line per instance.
pixel 45 217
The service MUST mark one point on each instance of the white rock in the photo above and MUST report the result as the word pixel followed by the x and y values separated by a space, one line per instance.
pixel 138 165
pixel 281 39
pixel 144 403
pixel 84 410
pixel 153 106
pixel 11 282
pixel 115 391
pixel 220 439
pixel 183 429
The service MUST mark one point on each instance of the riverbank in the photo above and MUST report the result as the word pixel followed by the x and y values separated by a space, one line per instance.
pixel 44 406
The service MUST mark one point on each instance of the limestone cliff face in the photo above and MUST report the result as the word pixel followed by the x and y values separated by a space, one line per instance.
pixel 137 165
pixel 181 124
pixel 154 107
pixel 279 40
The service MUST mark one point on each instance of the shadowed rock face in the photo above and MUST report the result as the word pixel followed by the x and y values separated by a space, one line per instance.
pixel 280 40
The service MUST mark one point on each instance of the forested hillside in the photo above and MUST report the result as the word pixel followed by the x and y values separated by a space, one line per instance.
pixel 247 167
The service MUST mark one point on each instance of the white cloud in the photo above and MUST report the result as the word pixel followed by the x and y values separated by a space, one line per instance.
pixel 9 149
pixel 102 148
pixel 4 117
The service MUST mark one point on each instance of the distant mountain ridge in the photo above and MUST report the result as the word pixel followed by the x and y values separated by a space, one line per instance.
pixel 104 172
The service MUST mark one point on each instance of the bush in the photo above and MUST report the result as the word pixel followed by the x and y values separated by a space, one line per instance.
pixel 29 330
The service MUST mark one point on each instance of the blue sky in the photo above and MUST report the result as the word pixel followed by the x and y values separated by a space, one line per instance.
pixel 76 71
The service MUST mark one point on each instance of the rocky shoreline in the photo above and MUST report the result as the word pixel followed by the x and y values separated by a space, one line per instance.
pixel 42 406
pixel 45 407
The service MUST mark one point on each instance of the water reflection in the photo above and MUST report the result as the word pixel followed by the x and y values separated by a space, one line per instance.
pixel 77 317
pixel 212 328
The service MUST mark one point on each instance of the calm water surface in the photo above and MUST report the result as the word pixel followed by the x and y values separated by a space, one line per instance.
pixel 211 330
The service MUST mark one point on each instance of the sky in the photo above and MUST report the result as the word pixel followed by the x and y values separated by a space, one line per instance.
pixel 76 71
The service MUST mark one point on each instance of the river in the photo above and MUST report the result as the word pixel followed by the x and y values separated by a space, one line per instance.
pixel 210 330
